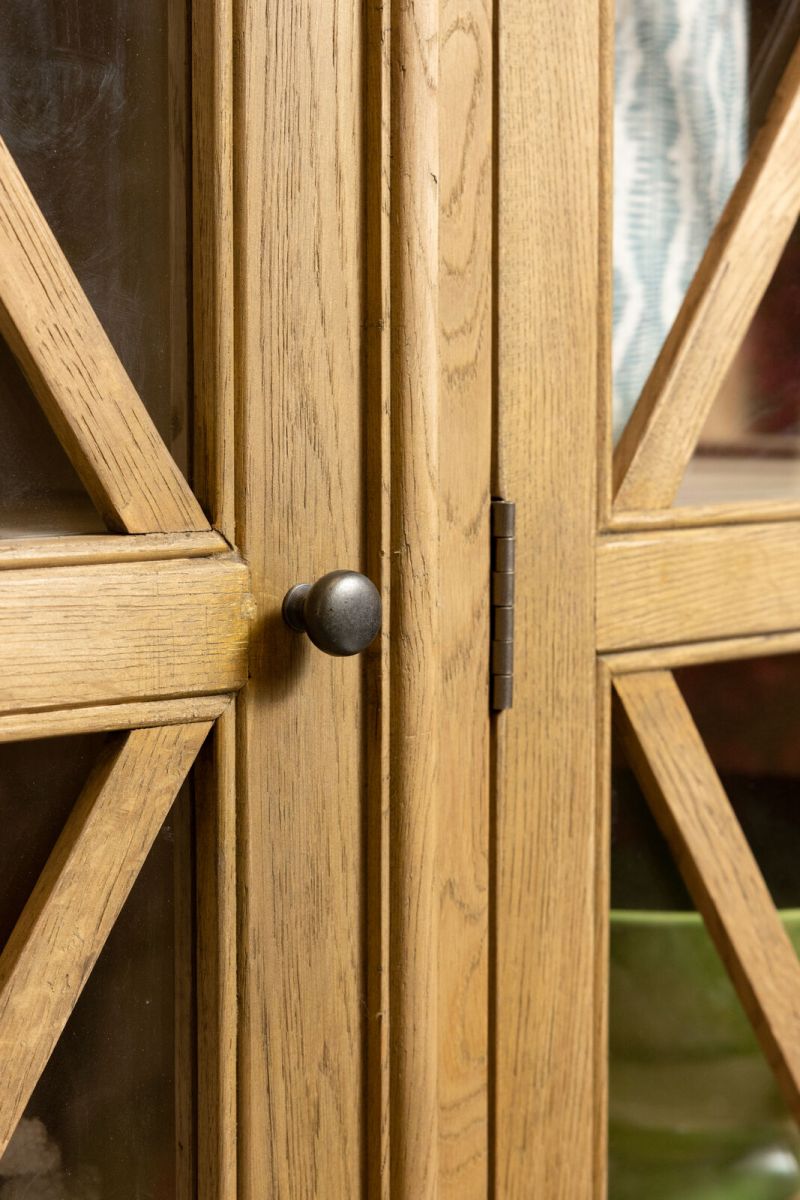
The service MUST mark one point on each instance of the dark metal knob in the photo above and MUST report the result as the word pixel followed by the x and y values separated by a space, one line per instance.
pixel 341 612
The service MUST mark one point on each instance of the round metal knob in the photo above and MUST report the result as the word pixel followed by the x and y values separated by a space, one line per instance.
pixel 341 612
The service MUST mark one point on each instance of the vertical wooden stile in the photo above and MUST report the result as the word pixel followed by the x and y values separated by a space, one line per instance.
pixel 415 580
pixel 299 365
pixel 212 171
pixel 465 447
pixel 549 308
pixel 378 392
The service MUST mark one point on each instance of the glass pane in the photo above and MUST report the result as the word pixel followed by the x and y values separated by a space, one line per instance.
pixel 693 86
pixel 108 1116
pixel 694 1110
pixel 39 783
pixel 680 133
pixel 93 108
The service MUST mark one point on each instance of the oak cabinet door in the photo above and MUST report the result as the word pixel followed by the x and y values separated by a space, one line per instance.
pixel 246 317
pixel 647 1031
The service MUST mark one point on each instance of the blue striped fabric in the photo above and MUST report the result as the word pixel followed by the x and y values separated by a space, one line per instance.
pixel 679 143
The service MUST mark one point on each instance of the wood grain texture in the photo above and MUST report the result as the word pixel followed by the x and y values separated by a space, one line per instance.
pixel 97 548
pixel 662 433
pixel 752 512
pixel 700 584
pixel 377 383
pixel 78 378
pixel 465 448
pixel 677 776
pixel 605 322
pixel 88 876
pixel 299 244
pixel 215 817
pixel 212 171
pixel 75 636
pixel 602 882
pixel 415 584
pixel 23 727
pixel 667 658
pixel 549 309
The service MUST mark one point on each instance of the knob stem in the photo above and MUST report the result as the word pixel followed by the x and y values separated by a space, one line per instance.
pixel 294 607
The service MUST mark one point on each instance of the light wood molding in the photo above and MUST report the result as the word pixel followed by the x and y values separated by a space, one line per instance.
pixel 121 632
pixel 602 903
pixel 78 378
pixel 21 727
pixel 378 385
pixel 677 776
pixel 80 893
pixel 676 586
pixel 754 512
pixel 212 170
pixel 465 448
pixel 415 581
pixel 215 817
pixel 741 257
pixel 95 549
pixel 549 308
pixel 690 654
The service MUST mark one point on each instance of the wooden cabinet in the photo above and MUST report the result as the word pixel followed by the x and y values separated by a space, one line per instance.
pixel 352 281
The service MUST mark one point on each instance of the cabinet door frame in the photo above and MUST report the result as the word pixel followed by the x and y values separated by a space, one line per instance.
pixel 615 589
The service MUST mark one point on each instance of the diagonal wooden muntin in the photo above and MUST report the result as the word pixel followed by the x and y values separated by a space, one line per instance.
pixel 676 774
pixel 78 897
pixel 78 378
pixel 741 257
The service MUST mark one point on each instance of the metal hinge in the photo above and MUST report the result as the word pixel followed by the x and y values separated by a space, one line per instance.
pixel 501 660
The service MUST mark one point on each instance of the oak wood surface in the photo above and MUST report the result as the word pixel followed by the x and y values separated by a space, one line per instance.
pixel 143 714
pixel 100 548
pixel 662 433
pixel 689 654
pixel 549 310
pixel 752 512
pixel 215 824
pixel 120 632
pixel 415 581
pixel 212 170
pixel 676 586
pixel 378 557
pixel 298 212
pixel 377 358
pixel 78 378
pixel 602 881
pixel 677 776
pixel 465 449
pixel 80 893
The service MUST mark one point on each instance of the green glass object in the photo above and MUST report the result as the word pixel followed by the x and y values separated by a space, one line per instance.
pixel 695 1113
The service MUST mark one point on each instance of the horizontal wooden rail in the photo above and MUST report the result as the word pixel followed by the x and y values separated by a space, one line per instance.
pixel 689 585
pixel 744 512
pixel 107 548
pixel 103 718
pixel 122 632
